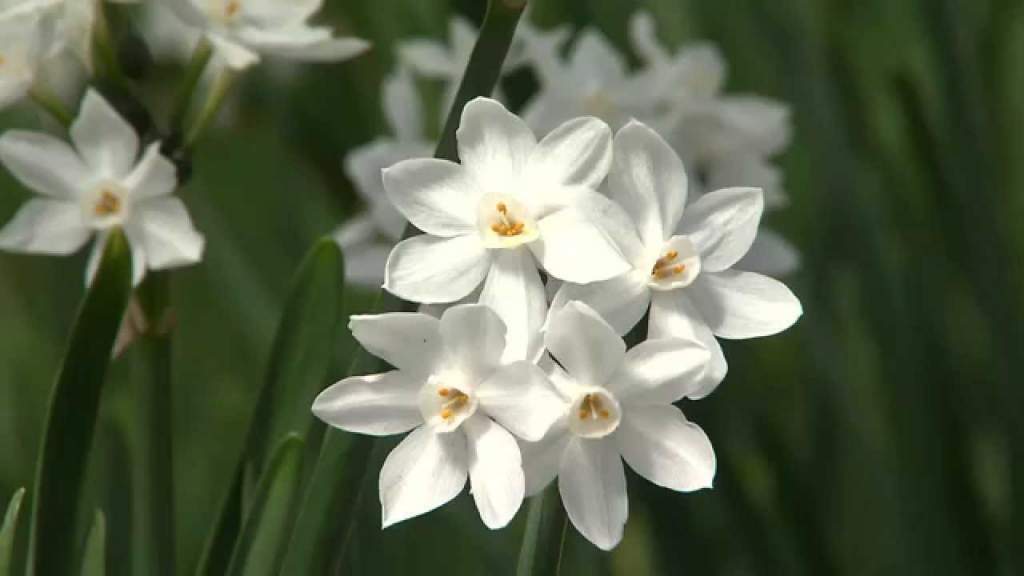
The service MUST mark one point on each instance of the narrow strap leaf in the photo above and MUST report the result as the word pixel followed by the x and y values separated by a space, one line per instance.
pixel 320 538
pixel 298 370
pixel 74 404
pixel 8 531
pixel 544 537
pixel 260 546
pixel 94 562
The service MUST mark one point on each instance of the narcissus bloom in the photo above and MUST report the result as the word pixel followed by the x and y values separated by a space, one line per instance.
pixel 368 238
pixel 460 401
pixel 98 185
pixel 511 201
pixel 617 405
pixel 242 30
pixel 682 259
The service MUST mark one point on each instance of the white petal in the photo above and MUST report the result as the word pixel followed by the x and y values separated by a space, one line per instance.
pixel 378 404
pixel 542 459
pixel 427 57
pixel 593 488
pixel 575 247
pixel 621 301
pixel 577 153
pixel 648 180
pixel 95 255
pixel 474 339
pixel 364 264
pixel 661 445
pixel 320 50
pixel 522 399
pixel 44 164
pixel 771 254
pixel 105 140
pixel 594 56
pixel 167 235
pixel 660 371
pixel 758 125
pixel 402 106
pixel 139 261
pixel 425 471
pixel 495 471
pixel 408 341
pixel 153 176
pixel 674 315
pixel 231 53
pixel 644 39
pixel 433 270
pixel 584 344
pixel 437 196
pixel 514 290
pixel 364 166
pixel 739 304
pixel 45 227
pixel 722 224
pixel 494 144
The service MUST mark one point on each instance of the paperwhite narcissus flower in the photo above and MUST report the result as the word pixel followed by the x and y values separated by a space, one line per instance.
pixel 367 239
pixel 511 200
pixel 460 402
pixel 592 81
pixel 682 260
pixel 98 185
pixel 617 405
pixel 242 30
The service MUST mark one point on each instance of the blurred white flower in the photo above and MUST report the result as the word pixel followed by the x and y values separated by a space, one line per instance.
pixel 43 39
pixel 510 201
pixel 368 238
pixel 460 402
pixel 98 185
pixel 617 405
pixel 166 35
pixel 243 30
pixel 682 260
pixel 592 81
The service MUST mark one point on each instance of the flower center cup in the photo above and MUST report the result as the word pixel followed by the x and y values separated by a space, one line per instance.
pixel 676 266
pixel 106 206
pixel 444 406
pixel 504 222
pixel 595 414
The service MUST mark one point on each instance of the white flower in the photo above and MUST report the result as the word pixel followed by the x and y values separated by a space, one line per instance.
pixel 242 30
pixel 166 35
pixel 593 81
pixel 682 260
pixel 42 38
pixel 367 239
pixel 618 405
pixel 511 200
pixel 98 185
pixel 451 390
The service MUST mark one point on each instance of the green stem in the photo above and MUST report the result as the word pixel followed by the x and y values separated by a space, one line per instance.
pixel 49 102
pixel 334 490
pixel 193 72
pixel 214 100
pixel 544 537
pixel 153 472
pixel 105 48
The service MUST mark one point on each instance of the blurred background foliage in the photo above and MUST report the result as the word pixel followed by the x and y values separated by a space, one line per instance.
pixel 884 434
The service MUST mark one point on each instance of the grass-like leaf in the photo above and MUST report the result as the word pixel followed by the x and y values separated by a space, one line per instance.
pixel 94 562
pixel 74 404
pixel 7 532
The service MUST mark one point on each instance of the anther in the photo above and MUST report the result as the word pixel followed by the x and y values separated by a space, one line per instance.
pixel 502 208
pixel 446 413
pixel 109 204
pixel 232 8
pixel 444 391
pixel 605 414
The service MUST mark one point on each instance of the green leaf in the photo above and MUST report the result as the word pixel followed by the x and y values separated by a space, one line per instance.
pixel 74 403
pixel 7 532
pixel 544 537
pixel 94 562
pixel 260 547
pixel 298 370
pixel 335 489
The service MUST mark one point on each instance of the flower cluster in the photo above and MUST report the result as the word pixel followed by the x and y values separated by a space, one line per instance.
pixel 510 391
pixel 727 139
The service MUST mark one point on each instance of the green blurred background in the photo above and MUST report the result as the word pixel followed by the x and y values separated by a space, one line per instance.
pixel 884 434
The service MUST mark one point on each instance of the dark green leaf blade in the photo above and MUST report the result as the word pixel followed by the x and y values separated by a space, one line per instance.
pixel 74 404
pixel 8 530
pixel 268 521
pixel 300 359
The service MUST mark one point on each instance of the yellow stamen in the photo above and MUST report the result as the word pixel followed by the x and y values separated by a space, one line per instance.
pixel 446 413
pixel 109 204
pixel 502 208
pixel 506 226
pixel 444 391
pixel 605 414
pixel 591 408
pixel 663 267
pixel 2 60
pixel 233 8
